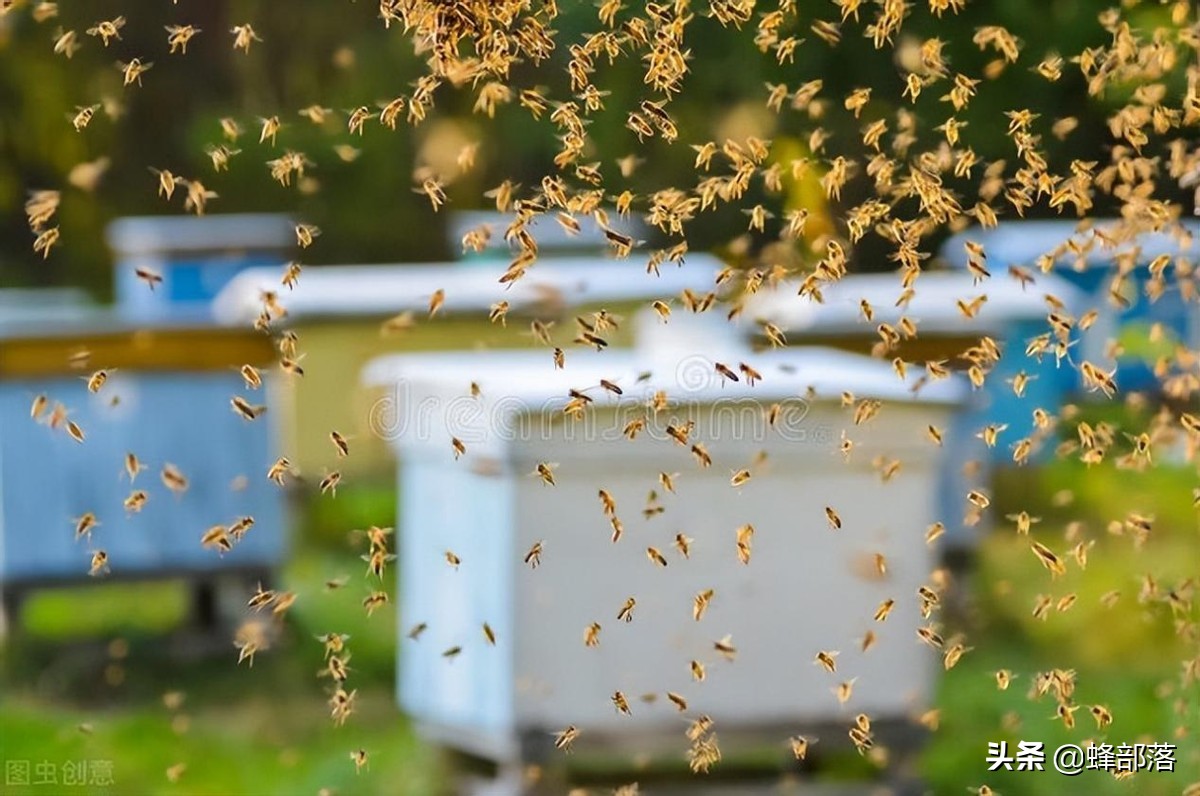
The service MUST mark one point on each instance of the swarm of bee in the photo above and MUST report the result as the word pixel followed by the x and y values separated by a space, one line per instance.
pixel 923 177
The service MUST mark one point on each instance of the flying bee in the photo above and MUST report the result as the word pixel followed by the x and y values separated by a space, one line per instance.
pixel 835 521
pixel 534 557
pixel 726 648
pixel 97 380
pixel 330 482
pixel 700 604
pixel 374 601
pixel 85 524
pixel 83 116
pixel 99 564
pixel 683 544
pixel 545 472
pixel 489 634
pixel 626 612
pixel 243 36
pixel 217 537
pixel 1049 559
pixel 173 479
pixel 415 632
pixel 564 738
pixel 279 470
pixel 107 30
pixel 845 690
pixel 75 432
pixel 591 635
pixel 134 69
pixel 621 703
pixel 136 500
pixel 149 277
pixel 827 660
pixel 359 756
pixel 244 408
pixel 656 557
pixel 739 478
pixel 340 444
pixel 678 701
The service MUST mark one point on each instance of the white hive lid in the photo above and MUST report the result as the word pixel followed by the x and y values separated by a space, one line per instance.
pixel 933 306
pixel 156 235
pixel 383 290
pixel 1023 242
pixel 433 389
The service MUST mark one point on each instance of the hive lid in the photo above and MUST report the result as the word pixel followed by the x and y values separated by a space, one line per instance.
pixel 1023 242
pixel 933 306
pixel 382 290
pixel 158 235
pixel 430 392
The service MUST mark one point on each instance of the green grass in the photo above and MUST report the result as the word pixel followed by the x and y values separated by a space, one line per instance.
pixel 240 730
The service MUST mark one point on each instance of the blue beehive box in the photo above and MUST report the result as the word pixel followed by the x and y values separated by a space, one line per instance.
pixel 196 257
pixel 1091 263
pixel 167 399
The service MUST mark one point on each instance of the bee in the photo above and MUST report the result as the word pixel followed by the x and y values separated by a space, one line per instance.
pixel 626 612
pixel 683 544
pixel 827 660
pixel 678 701
pixel 306 233
pixel 1049 559
pixel 374 601
pixel 107 30
pixel 697 671
pixel 725 372
pixel 436 301
pixel 279 470
pixel 726 648
pixel 489 634
pixel 845 690
pixel 38 407
pixel 244 408
pixel 85 524
pixel 835 521
pixel 217 537
pixel 243 36
pixel 66 43
pixel 75 432
pixel 656 557
pixel 930 637
pixel 96 381
pixel 564 738
pixel 83 116
pixel 953 655
pixel 330 482
pixel 545 472
pixel 99 565
pixel 799 745
pixel 534 557
pixel 151 278
pixel 173 479
pixel 703 459
pixel 359 756
pixel 178 37
pixel 621 703
pixel 134 69
pixel 136 501
pixel 591 635
pixel 333 584
pixel 340 444
pixel 416 630
pixel 1102 716
pixel 700 604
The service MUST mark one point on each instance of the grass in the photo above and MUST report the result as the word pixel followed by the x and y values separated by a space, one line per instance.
pixel 265 730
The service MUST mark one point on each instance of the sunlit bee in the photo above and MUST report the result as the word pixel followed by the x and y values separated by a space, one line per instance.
pixel 66 43
pixel 374 601
pixel 305 234
pixel 564 738
pixel 133 70
pixel 269 129
pixel 656 557
pixel 415 632
pixel 83 116
pixel 99 565
pixel 1004 678
pixel 953 655
pixel 452 559
pixel 38 407
pixel 621 703
pixel 626 612
pixel 545 472
pixel 85 524
pixel 683 544
pixel 827 660
pixel 934 531
pixel 107 30
pixel 279 470
pixel 591 635
pixel 845 690
pixel 243 37
pixel 534 556
pixel 178 37
pixel 1049 560
pixel 330 483
pixel 136 501
pixel 930 637
pixel 339 444
pixel 173 479
pixel 217 538
pixel 700 603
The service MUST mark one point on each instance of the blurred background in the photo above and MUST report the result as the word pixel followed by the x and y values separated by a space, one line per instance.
pixel 127 672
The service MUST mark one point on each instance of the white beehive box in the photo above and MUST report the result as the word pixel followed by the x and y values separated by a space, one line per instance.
pixel 805 588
